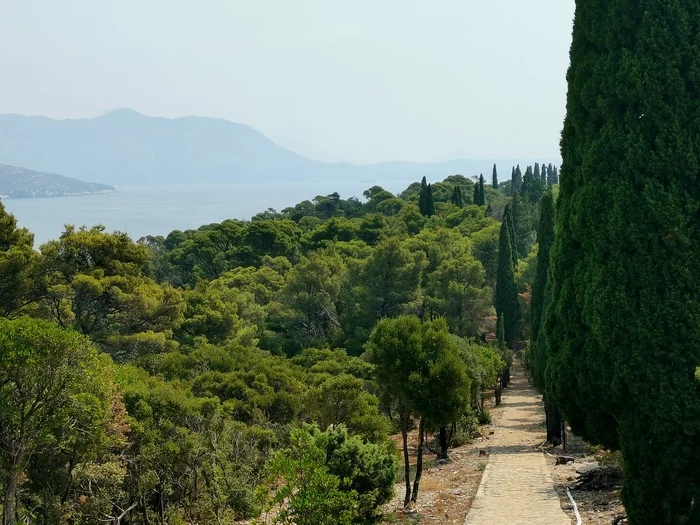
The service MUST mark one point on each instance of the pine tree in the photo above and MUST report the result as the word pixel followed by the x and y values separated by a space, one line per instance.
pixel 430 202
pixel 495 177
pixel 506 292
pixel 622 328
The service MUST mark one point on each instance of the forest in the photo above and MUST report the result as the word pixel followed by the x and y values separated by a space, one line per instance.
pixel 256 369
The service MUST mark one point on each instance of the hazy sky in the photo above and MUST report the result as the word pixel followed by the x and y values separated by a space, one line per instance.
pixel 360 80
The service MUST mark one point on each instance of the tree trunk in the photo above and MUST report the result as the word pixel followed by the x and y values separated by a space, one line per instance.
pixel 554 423
pixel 406 468
pixel 9 497
pixel 419 460
pixel 443 443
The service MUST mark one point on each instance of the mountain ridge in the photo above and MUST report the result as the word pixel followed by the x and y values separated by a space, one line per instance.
pixel 126 147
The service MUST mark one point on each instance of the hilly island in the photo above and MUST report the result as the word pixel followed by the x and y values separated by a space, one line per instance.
pixel 19 183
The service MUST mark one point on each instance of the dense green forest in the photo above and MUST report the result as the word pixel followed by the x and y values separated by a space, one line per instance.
pixel 256 368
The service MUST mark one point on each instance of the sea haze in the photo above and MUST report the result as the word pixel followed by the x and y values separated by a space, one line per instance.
pixel 160 209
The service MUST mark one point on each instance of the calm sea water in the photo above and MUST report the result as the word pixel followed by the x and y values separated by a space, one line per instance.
pixel 158 210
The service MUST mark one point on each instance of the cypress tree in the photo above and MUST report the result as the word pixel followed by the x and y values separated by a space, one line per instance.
pixel 622 327
pixel 555 177
pixel 538 360
pixel 495 177
pixel 536 171
pixel 429 202
pixel 508 219
pixel 476 193
pixel 482 193
pixel 518 180
pixel 500 333
pixel 423 197
pixel 543 173
pixel 457 197
pixel 506 292
pixel 550 174
pixel 545 239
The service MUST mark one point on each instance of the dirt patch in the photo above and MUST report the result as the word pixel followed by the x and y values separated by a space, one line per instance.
pixel 597 507
pixel 446 491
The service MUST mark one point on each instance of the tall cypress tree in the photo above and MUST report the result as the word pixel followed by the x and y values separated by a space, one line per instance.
pixel 457 197
pixel 494 181
pixel 536 170
pixel 423 197
pixel 476 193
pixel 622 328
pixel 482 191
pixel 550 174
pixel 506 292
pixel 508 219
pixel 429 202
pixel 501 333
pixel 545 239
pixel 543 173
pixel 538 360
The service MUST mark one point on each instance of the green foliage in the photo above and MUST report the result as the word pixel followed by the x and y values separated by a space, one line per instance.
pixel 312 292
pixel 382 286
pixel 456 292
pixel 506 301
pixel 54 405
pixel 19 283
pixel 367 469
pixel 523 215
pixel 456 198
pixel 622 327
pixel 494 182
pixel 419 370
pixel 94 285
pixel 479 195
pixel 328 477
pixel 205 323
pixel 342 399
pixel 545 240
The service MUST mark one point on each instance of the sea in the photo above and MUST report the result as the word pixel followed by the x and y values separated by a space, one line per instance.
pixel 158 210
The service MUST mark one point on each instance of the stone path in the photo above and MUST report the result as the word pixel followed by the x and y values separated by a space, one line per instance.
pixel 517 487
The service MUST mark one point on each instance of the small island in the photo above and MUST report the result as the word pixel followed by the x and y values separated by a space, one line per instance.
pixel 21 183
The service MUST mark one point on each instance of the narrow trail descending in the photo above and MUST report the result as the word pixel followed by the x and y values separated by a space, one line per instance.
pixel 517 486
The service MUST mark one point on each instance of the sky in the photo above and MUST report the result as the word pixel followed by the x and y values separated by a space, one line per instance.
pixel 357 80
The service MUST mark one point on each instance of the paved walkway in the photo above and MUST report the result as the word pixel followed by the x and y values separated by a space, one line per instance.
pixel 517 487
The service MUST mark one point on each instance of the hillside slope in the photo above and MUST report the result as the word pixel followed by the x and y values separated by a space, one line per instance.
pixel 20 183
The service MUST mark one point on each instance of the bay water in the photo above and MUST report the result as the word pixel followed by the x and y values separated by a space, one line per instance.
pixel 158 210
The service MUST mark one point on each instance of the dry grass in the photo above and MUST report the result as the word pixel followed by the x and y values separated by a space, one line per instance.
pixel 446 491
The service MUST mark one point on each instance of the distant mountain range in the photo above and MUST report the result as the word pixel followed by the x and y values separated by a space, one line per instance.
pixel 20 183
pixel 127 148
